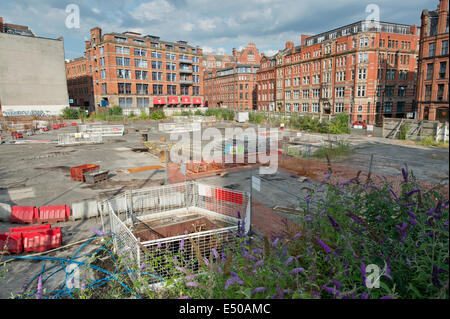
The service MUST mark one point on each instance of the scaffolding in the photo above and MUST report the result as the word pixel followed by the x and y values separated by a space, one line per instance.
pixel 174 225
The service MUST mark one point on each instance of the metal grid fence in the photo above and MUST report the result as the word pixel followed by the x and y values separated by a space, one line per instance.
pixel 103 130
pixel 79 138
pixel 184 250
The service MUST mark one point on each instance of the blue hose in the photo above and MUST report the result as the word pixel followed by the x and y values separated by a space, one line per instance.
pixel 64 291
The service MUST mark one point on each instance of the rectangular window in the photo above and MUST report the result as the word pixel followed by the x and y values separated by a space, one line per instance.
pixel 305 107
pixel 401 91
pixel 361 90
pixel 103 74
pixel 140 52
pixel 141 75
pixel 124 88
pixel 142 89
pixel 340 92
pixel 427 92
pixel 389 90
pixel 157 65
pixel 362 74
pixel 156 55
pixel 171 77
pixel 157 89
pixel 445 47
pixel 125 102
pixel 305 94
pixel 172 90
pixel 102 61
pixel 157 76
pixel 430 67
pixel 442 70
pixel 390 74
pixel 184 90
pixel 400 107
pixel 315 107
pixel 196 91
pixel 143 102
pixel 140 63
pixel 440 92
pixel 388 107
pixel 171 66
pixel 432 49
pixel 171 56
pixel 339 108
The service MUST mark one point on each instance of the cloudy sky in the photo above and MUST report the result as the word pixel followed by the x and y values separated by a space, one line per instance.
pixel 215 25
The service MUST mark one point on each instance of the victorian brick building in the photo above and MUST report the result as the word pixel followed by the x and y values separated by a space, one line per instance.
pixel 134 71
pixel 365 69
pixel 433 67
pixel 230 81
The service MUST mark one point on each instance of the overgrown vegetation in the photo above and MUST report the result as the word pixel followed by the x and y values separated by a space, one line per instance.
pixel 431 141
pixel 359 232
pixel 70 113
pixel 157 115
pixel 403 132
pixel 333 150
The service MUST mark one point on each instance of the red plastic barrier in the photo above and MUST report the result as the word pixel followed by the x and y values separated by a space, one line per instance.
pixel 74 124
pixel 76 173
pixel 29 228
pixel 12 242
pixel 228 196
pixel 55 126
pixel 24 214
pixel 42 240
pixel 51 214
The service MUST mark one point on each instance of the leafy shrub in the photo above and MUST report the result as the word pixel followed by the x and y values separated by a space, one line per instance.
pixel 403 132
pixel 198 112
pixel 115 110
pixel 70 113
pixel 339 124
pixel 157 115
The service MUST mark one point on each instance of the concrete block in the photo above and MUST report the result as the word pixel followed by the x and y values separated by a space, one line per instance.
pixel 84 210
pixel 5 212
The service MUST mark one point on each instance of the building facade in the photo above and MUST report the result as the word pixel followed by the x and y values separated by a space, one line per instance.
pixel 140 72
pixel 230 81
pixel 80 85
pixel 433 67
pixel 233 87
pixel 32 74
pixel 367 70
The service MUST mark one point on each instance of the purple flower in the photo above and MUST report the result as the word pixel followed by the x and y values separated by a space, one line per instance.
pixel 411 214
pixel 364 295
pixel 275 242
pixel 192 284
pixel 233 280
pixel 411 192
pixel 435 276
pixel 386 297
pixel 284 252
pixel 296 271
pixel 184 297
pixel 332 291
pixel 215 253
pixel 142 266
pixel 363 272
pixel 337 284
pixel 393 193
pixel 98 232
pixel 334 223
pixel 328 175
pixel 288 261
pixel 39 288
pixel 324 246
pixel 258 251
pixel 159 245
pixel 258 289
pixel 408 262
pixel 190 277
pixel 182 244
pixel 405 175
pixel 297 235
pixel 206 261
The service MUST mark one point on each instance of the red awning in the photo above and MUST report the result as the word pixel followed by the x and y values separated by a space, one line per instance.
pixel 173 99
pixel 197 100
pixel 186 100
pixel 159 100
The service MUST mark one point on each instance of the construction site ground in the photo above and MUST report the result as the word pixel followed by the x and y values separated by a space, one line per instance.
pixel 38 174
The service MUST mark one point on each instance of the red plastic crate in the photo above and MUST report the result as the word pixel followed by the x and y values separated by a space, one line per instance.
pixel 51 214
pixel 29 228
pixel 11 242
pixel 76 173
pixel 42 240
pixel 24 214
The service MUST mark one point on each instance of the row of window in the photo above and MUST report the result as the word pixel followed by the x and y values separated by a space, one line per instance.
pixel 154 54
pixel 157 89
pixel 156 76
pixel 439 93
pixel 432 48
pixel 442 71
pixel 326 93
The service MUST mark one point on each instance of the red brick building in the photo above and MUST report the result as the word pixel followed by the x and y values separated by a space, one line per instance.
pixel 79 84
pixel 134 71
pixel 233 87
pixel 433 69
pixel 230 81
pixel 366 70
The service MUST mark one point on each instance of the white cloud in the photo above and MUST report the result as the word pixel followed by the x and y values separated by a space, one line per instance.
pixel 207 25
pixel 96 11
pixel 153 10
pixel 188 26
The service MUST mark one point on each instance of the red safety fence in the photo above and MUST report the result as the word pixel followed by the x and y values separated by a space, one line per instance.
pixel 24 214
pixel 55 126
pixel 74 124
pixel 52 214
pixel 29 228
pixel 42 240
pixel 76 173
pixel 11 242
pixel 229 196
